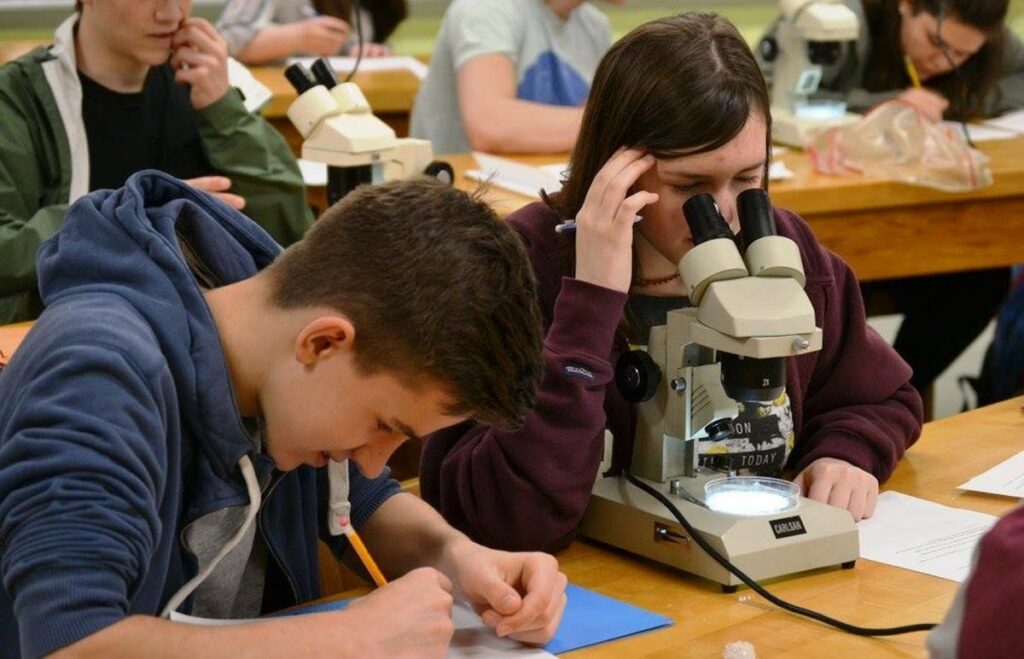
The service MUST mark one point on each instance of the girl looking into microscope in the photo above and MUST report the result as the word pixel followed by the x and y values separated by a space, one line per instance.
pixel 262 31
pixel 678 108
pixel 948 58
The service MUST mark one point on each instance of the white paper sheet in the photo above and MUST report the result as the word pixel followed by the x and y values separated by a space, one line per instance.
pixel 1006 478
pixel 515 176
pixel 368 64
pixel 472 637
pixel 1012 121
pixel 922 536
pixel 981 132
pixel 314 174
pixel 255 92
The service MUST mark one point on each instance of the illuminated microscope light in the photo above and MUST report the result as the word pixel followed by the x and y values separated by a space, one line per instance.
pixel 750 496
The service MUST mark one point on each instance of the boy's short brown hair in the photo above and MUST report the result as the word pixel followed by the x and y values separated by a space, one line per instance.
pixel 436 286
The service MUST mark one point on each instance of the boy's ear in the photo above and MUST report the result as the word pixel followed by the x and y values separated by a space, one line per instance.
pixel 324 337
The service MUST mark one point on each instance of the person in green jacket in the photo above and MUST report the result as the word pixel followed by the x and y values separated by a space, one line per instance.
pixel 129 85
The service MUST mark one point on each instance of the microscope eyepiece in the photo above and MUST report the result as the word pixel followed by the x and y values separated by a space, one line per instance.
pixel 704 219
pixel 324 73
pixel 300 77
pixel 756 217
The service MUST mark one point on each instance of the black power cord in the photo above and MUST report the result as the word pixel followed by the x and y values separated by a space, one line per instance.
pixel 758 588
pixel 357 17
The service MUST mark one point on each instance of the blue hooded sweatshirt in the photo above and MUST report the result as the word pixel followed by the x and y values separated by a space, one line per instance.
pixel 118 424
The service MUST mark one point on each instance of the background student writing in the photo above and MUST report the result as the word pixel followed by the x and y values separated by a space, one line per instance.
pixel 970 65
pixel 678 108
pixel 264 31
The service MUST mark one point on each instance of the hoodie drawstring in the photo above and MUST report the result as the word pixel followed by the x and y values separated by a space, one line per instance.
pixel 252 487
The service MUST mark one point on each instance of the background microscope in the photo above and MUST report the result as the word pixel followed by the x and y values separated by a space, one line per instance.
pixel 340 130
pixel 811 35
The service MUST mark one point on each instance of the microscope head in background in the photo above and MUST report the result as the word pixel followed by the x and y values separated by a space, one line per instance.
pixel 339 130
pixel 811 35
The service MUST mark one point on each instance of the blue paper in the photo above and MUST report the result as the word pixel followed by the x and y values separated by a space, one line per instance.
pixel 589 619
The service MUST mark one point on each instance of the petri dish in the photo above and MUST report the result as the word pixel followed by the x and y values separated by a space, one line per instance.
pixel 751 496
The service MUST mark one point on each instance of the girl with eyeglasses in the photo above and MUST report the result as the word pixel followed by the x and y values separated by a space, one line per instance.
pixel 970 65
pixel 969 62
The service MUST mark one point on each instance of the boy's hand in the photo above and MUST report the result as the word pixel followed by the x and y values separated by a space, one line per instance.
pixel 321 35
pixel 604 225
pixel 409 617
pixel 200 60
pixel 521 595
pixel 217 186
pixel 839 483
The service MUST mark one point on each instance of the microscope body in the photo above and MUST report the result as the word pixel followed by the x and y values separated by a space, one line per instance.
pixel 810 35
pixel 750 315
pixel 340 130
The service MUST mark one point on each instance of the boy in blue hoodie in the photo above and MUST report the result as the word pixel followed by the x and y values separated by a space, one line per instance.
pixel 176 428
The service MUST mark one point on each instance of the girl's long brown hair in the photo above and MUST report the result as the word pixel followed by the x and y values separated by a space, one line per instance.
pixel 967 89
pixel 675 86
pixel 387 14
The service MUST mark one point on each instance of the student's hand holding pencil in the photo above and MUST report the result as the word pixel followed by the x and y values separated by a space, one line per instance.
pixel 931 104
pixel 409 617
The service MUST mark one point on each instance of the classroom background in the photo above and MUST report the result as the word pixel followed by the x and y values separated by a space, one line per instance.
pixel 36 19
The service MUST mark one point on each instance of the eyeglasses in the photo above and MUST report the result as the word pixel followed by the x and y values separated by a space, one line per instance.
pixel 947 52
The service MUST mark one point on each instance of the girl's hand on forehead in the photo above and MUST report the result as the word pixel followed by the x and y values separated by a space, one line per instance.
pixel 604 225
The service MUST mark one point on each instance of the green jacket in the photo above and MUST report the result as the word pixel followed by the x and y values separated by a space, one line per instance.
pixel 44 164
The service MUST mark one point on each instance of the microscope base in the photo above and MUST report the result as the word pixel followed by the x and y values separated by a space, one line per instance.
pixel 814 535
pixel 791 130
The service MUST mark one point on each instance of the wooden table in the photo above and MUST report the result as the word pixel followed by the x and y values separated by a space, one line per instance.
pixel 884 230
pixel 10 338
pixel 949 452
pixel 390 94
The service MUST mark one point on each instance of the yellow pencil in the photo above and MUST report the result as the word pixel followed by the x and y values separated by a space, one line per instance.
pixel 364 555
pixel 912 71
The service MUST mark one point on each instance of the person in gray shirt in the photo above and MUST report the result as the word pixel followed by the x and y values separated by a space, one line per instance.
pixel 510 75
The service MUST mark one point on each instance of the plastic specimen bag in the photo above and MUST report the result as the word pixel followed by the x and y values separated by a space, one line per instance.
pixel 895 141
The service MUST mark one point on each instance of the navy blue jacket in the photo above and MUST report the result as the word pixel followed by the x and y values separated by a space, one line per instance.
pixel 118 424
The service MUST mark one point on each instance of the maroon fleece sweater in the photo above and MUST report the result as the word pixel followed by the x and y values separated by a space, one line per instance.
pixel 528 489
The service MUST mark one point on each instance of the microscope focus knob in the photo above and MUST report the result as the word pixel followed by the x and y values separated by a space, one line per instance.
pixel 720 429
pixel 440 170
pixel 637 376
pixel 768 49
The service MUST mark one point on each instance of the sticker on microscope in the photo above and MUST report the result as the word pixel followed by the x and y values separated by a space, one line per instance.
pixel 786 527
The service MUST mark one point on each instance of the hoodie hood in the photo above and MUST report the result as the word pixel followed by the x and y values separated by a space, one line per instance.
pixel 128 242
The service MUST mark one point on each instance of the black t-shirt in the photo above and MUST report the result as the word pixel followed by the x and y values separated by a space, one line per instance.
pixel 151 129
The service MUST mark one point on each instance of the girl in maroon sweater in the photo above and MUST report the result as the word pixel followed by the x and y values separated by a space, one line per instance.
pixel 678 108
